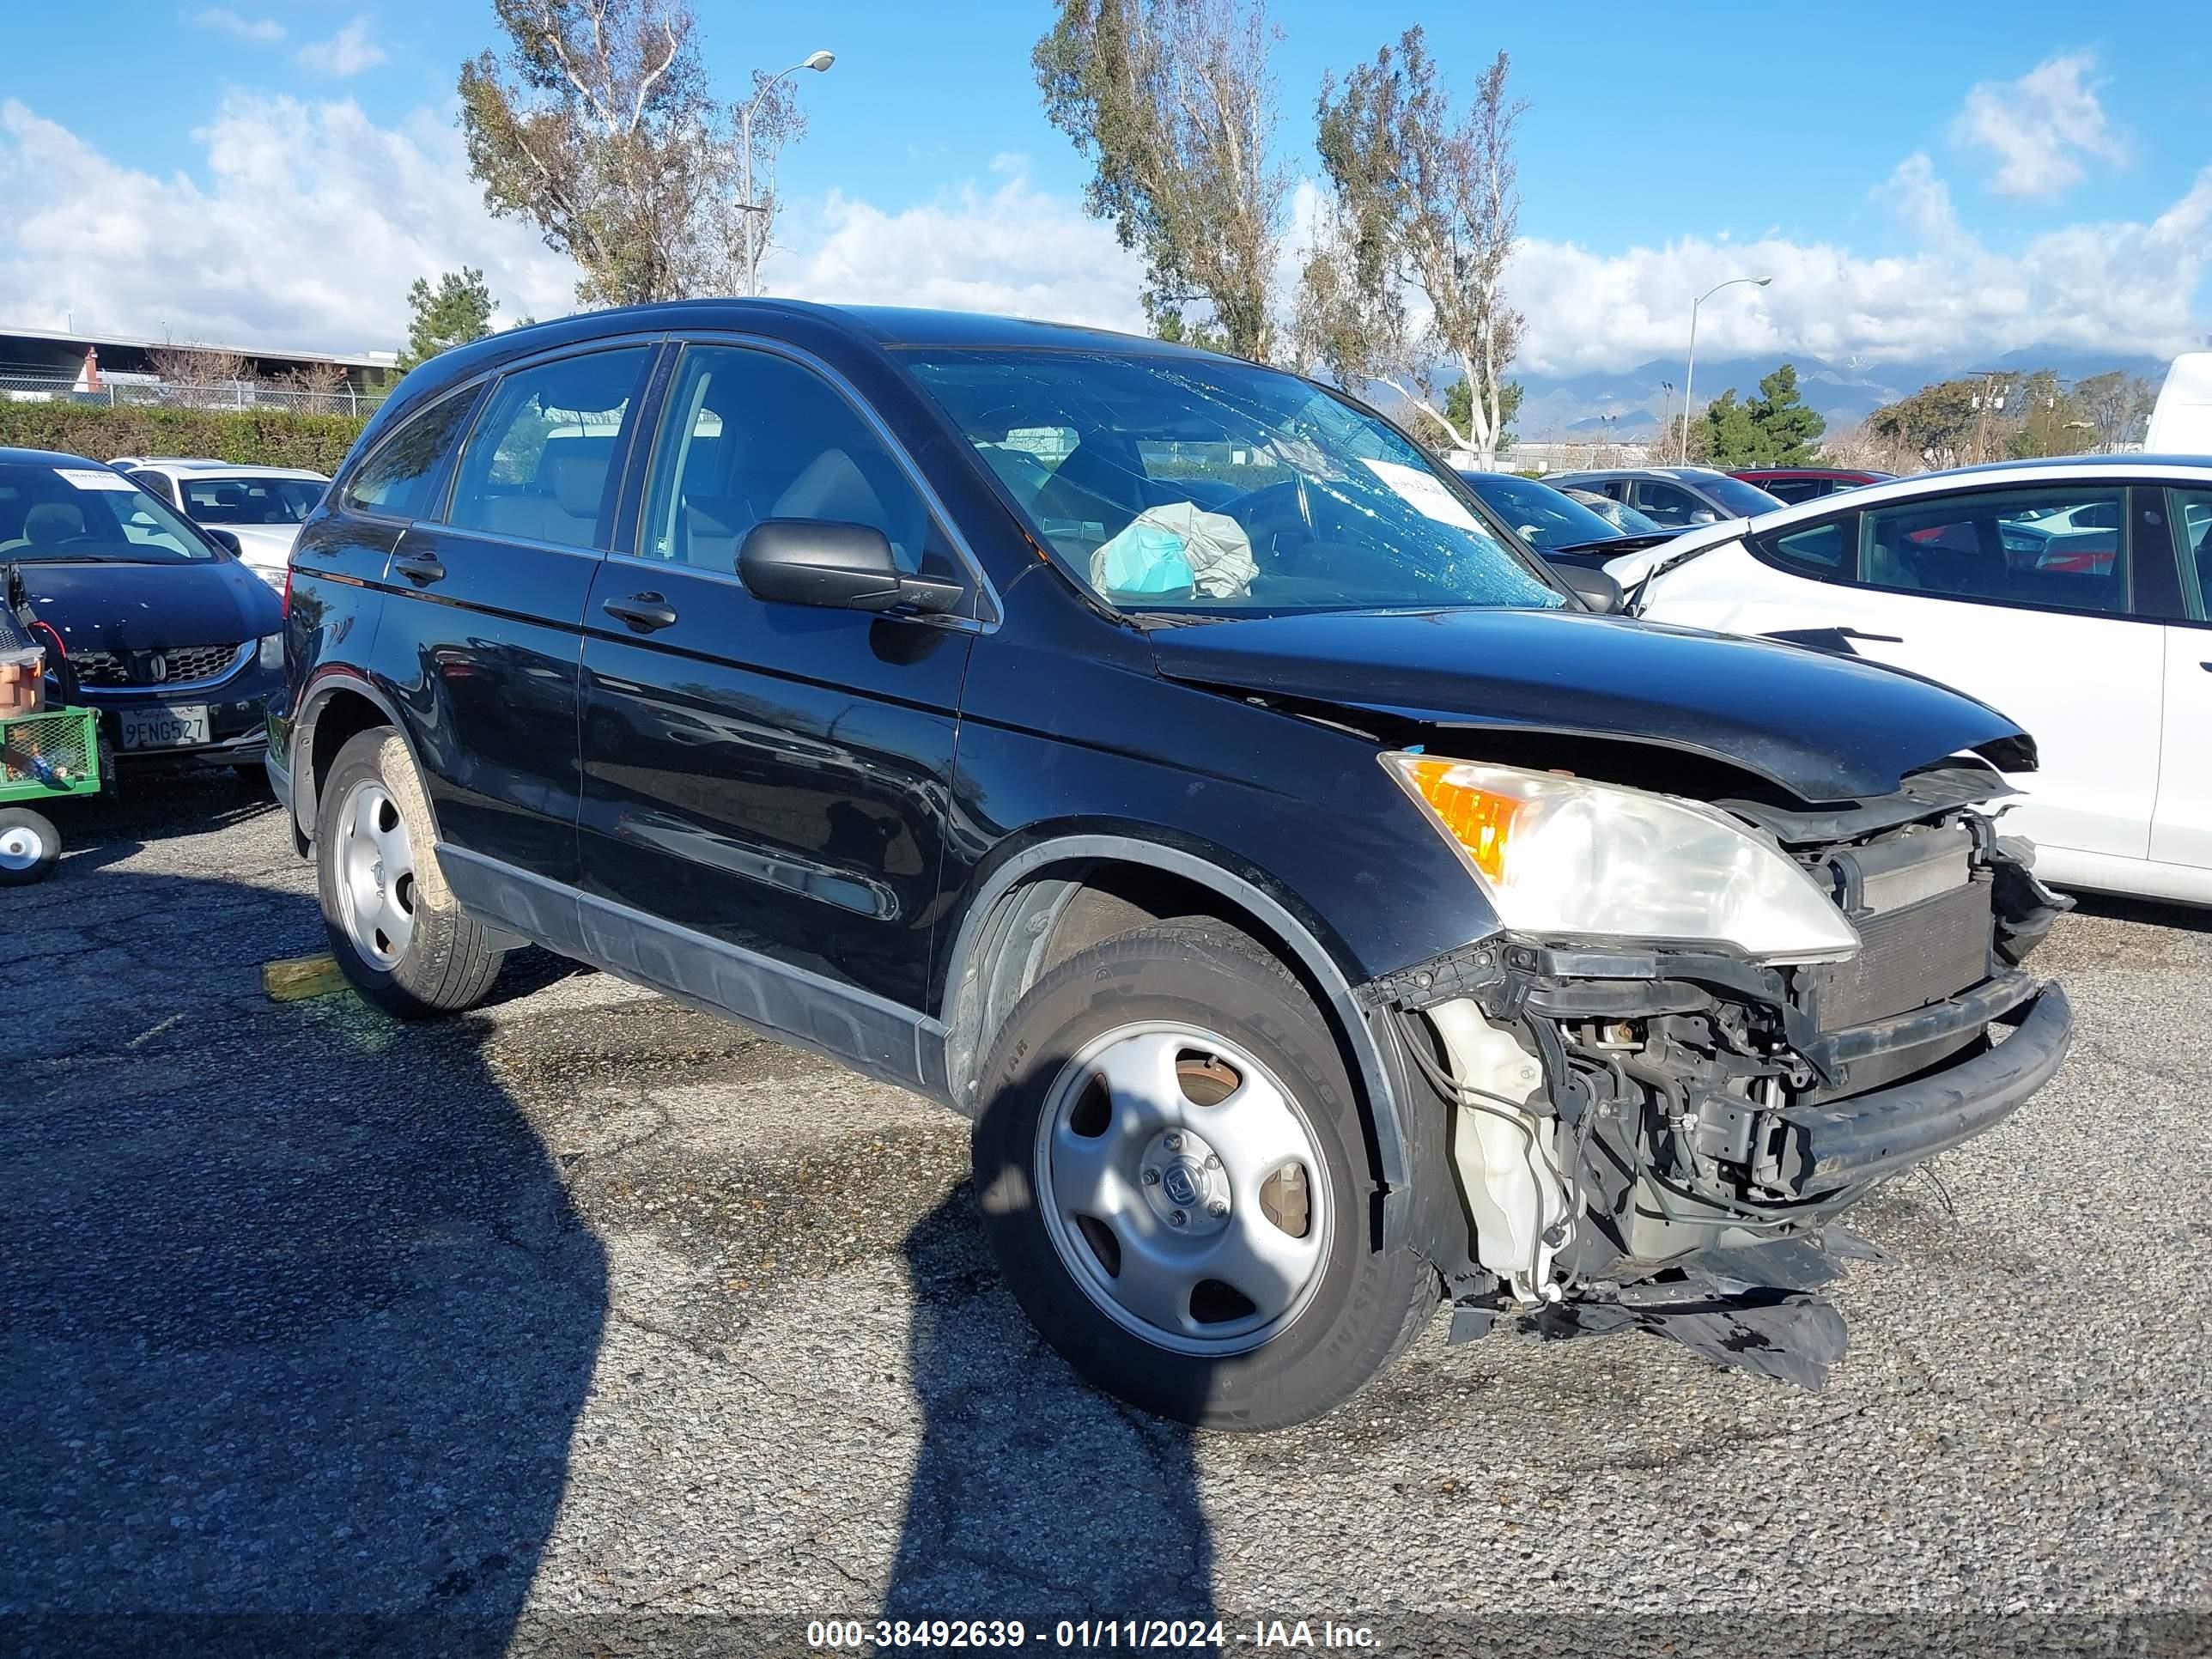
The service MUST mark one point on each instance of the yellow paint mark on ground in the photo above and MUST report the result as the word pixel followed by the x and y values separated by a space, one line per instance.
pixel 297 978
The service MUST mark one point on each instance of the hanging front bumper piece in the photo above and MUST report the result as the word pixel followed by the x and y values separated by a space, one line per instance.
pixel 1826 1148
pixel 1666 1134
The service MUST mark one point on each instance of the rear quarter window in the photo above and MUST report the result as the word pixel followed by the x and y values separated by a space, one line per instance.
pixel 400 479
pixel 1825 551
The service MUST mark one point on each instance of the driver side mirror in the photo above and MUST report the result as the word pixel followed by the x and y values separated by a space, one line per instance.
pixel 840 566
pixel 223 539
pixel 1596 589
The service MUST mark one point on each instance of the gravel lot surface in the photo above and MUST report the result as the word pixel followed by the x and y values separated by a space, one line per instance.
pixel 585 1308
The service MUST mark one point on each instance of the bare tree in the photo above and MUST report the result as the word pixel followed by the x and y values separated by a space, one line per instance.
pixel 1426 202
pixel 202 377
pixel 1857 447
pixel 2118 405
pixel 602 130
pixel 315 388
pixel 1173 102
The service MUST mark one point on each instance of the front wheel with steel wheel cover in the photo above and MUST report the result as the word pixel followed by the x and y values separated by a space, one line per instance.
pixel 1173 1177
pixel 30 846
pixel 394 926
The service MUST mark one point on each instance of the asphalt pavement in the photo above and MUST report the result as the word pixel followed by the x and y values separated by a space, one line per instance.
pixel 586 1322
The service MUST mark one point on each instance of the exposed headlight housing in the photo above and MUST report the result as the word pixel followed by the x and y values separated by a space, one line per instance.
pixel 272 652
pixel 1565 856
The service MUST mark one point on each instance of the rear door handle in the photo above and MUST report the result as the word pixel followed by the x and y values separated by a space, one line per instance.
pixel 422 568
pixel 645 613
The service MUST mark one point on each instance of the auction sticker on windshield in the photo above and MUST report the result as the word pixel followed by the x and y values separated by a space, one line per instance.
pixel 1423 494
pixel 91 478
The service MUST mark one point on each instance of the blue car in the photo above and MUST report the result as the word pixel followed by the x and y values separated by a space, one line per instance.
pixel 157 623
pixel 1563 530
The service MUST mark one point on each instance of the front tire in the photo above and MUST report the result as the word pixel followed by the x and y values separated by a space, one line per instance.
pixel 30 846
pixel 394 926
pixel 1173 1175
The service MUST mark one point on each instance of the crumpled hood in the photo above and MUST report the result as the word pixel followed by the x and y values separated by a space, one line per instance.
pixel 112 606
pixel 1824 728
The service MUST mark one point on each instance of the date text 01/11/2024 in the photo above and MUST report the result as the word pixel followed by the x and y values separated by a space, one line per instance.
pixel 1086 1634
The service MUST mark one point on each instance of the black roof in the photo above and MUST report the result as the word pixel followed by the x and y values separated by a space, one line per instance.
pixel 873 328
pixel 48 457
pixel 883 325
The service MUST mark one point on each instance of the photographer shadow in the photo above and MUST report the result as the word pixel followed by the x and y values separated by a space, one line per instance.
pixel 298 1316
pixel 1034 1496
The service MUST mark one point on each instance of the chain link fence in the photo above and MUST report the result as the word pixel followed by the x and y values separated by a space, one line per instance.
pixel 152 392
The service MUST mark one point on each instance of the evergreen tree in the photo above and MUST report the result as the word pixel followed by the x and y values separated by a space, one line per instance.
pixel 1732 437
pixel 457 311
pixel 1790 430
pixel 1775 429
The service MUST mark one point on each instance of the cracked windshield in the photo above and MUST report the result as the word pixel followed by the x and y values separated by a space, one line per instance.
pixel 1188 484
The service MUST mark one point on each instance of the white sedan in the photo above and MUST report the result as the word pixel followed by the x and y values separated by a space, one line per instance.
pixel 262 506
pixel 2073 595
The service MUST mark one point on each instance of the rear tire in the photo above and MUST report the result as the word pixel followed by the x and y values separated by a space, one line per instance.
pixel 30 846
pixel 394 926
pixel 1173 1174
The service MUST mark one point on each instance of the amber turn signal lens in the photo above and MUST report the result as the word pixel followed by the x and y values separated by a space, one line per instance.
pixel 1477 819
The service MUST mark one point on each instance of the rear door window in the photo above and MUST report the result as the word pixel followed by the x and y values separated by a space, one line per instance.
pixel 155 485
pixel 1669 505
pixel 539 465
pixel 399 480
pixel 2189 512
pixel 1791 490
pixel 2059 548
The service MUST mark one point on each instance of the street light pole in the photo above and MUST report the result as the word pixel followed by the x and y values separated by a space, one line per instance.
pixel 1690 376
pixel 817 61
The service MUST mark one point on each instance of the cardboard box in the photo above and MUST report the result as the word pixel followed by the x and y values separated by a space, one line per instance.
pixel 22 683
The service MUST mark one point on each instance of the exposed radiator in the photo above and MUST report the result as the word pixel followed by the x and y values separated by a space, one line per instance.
pixel 1919 953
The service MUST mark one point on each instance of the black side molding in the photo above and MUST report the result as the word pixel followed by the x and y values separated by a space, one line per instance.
pixel 1843 1142
pixel 881 1039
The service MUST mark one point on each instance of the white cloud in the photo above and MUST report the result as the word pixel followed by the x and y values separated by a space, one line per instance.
pixel 2122 286
pixel 1013 249
pixel 221 20
pixel 347 52
pixel 302 222
pixel 304 227
pixel 2040 126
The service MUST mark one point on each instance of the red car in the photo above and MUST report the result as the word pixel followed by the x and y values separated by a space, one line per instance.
pixel 1805 484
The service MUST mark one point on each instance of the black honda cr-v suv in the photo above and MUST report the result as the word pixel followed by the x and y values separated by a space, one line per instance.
pixel 1320 912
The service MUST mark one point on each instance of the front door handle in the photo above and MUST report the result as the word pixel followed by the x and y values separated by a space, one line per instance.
pixel 645 613
pixel 421 569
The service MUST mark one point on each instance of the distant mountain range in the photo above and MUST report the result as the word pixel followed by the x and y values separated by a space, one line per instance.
pixel 1602 407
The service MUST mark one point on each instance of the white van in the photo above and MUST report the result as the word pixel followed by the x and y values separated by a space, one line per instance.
pixel 2181 424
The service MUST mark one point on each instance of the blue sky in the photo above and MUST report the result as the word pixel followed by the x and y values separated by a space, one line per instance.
pixel 1920 178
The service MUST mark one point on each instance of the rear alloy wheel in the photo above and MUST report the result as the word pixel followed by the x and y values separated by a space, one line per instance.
pixel 30 846
pixel 1174 1178
pixel 394 927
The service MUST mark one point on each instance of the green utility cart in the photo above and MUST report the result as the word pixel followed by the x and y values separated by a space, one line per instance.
pixel 52 753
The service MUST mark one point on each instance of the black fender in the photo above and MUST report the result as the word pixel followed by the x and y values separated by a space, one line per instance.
pixel 325 683
pixel 1380 1069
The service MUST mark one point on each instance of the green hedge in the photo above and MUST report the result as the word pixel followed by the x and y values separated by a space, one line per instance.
pixel 251 437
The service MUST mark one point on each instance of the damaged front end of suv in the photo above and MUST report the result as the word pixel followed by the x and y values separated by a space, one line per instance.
pixel 1707 1028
